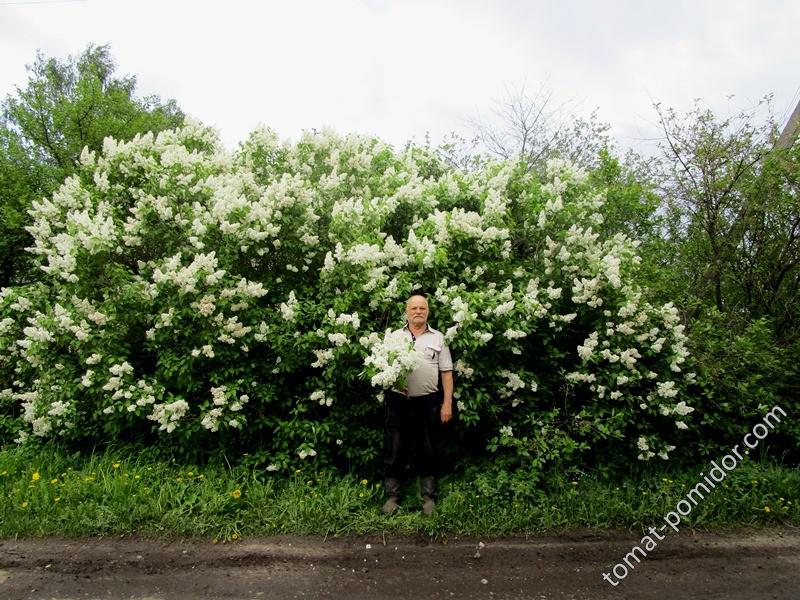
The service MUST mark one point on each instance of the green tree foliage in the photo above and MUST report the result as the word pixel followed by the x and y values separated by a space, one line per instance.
pixel 65 106
pixel 732 198
pixel 731 258
pixel 768 264
pixel 740 376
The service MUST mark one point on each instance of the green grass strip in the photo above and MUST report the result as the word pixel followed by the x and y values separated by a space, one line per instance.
pixel 49 492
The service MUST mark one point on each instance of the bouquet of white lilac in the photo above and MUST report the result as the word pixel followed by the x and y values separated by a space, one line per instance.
pixel 391 360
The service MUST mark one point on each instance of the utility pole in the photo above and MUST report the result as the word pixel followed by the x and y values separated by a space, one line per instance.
pixel 789 133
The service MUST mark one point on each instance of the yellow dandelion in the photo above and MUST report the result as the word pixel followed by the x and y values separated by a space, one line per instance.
pixel 236 494
pixel 364 482
pixel 115 466
pixel 35 476
pixel 24 504
pixel 767 509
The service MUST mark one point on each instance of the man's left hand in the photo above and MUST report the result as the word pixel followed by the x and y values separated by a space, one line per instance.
pixel 446 412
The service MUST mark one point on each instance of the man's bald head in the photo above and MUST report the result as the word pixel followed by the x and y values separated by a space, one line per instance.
pixel 417 311
pixel 416 298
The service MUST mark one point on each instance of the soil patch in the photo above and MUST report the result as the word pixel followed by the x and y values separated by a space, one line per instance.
pixel 746 565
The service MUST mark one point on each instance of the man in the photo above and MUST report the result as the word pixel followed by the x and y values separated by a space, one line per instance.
pixel 414 414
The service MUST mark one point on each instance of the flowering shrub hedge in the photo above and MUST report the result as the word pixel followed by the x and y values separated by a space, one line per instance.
pixel 196 297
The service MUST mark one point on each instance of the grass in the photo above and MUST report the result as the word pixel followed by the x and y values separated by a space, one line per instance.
pixel 49 492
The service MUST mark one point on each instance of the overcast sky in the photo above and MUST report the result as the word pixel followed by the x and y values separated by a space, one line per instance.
pixel 397 69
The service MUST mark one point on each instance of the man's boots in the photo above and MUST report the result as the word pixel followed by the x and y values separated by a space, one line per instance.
pixel 428 494
pixel 391 488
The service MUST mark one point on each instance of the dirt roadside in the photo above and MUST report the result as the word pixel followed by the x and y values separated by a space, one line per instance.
pixel 747 565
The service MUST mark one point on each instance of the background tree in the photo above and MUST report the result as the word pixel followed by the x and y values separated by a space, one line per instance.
pixel 65 106
pixel 529 127
pixel 732 241
pixel 733 199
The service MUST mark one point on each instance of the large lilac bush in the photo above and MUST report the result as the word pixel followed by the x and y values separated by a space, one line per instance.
pixel 194 296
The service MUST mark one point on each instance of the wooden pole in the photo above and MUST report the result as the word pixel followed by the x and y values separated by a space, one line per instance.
pixel 789 133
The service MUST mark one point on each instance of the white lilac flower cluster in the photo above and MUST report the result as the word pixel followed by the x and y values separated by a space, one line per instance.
pixel 350 322
pixel 220 404
pixel 463 370
pixel 168 414
pixel 321 398
pixel 305 452
pixel 513 383
pixel 44 413
pixel 289 308
pixel 647 453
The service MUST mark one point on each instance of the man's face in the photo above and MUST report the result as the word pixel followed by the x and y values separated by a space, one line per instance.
pixel 417 311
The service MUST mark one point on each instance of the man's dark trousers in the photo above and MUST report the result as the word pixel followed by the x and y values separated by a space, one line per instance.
pixel 412 430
